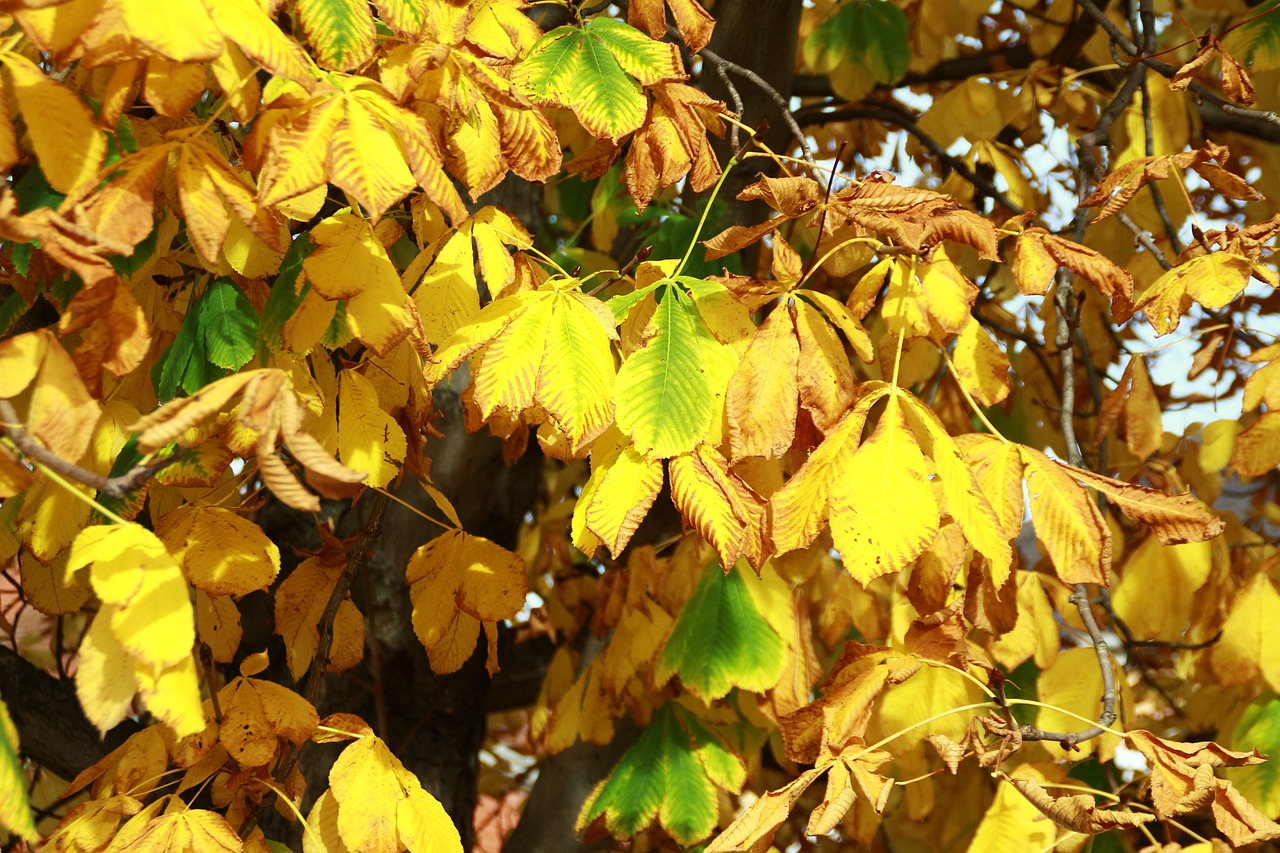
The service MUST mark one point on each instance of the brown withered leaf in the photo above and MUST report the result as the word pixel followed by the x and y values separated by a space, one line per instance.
pixel 694 22
pixel 842 713
pixel 950 752
pixel 1078 813
pixel 916 218
pixel 1174 519
pixel 1241 821
pixel 1235 80
pixel 940 636
pixel 852 773
pixel 673 142
pixel 1182 777
pixel 1118 188
pixel 1038 254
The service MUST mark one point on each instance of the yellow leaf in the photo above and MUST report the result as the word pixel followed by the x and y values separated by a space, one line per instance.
pixel 825 377
pixel 256 713
pixel 1249 643
pixel 220 552
pixel 62 415
pixel 1213 280
pixel 105 679
pixel 883 511
pixel 1035 634
pixel 1013 823
pixel 982 365
pixel 218 625
pixel 49 589
pixel 617 497
pixel 424 825
pixel 368 438
pixel 1067 522
pixel 997 467
pixel 719 505
pixel 323 819
pixel 365 781
pixel 763 396
pixel 800 508
pixel 1156 591
pixel 194 830
pixel 966 500
pixel 63 132
pixel 457 574
pixel 181 30
pixel 1257 449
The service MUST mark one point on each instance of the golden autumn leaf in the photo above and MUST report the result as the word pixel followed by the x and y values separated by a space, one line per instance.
pixel 369 439
pixel 720 506
pixel 458 579
pixel 220 552
pixel 61 414
pixel 622 487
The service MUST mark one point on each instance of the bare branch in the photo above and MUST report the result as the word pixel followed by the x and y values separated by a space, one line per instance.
pixel 116 487
pixel 723 65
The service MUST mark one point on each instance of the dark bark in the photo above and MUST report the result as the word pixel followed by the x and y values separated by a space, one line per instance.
pixel 760 35
pixel 52 730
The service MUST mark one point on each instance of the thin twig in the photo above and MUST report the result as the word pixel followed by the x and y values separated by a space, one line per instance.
pixel 116 487
pixel 890 113
pixel 1121 41
pixel 779 101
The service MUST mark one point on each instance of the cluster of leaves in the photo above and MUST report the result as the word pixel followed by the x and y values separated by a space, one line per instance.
pixel 248 219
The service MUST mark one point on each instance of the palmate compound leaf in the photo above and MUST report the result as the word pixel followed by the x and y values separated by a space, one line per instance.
pixel 721 641
pixel 1067 520
pixel 598 70
pixel 350 263
pixel 1213 280
pixel 879 498
pixel 849 774
pixel 666 390
pixel 671 775
pixel 141 640
pixel 448 295
pixel 548 348
pixel 456 582
pixel 863 43
pixel 375 805
pixel 269 408
pixel 351 134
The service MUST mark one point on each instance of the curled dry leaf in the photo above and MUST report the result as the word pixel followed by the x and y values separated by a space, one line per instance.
pixel 1078 813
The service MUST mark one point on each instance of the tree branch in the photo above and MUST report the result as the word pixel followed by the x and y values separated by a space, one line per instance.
pixel 723 66
pixel 116 487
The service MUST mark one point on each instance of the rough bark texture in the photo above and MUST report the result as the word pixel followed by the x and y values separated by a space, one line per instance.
pixel 52 729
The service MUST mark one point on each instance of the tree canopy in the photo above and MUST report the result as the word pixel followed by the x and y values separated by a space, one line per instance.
pixel 435 424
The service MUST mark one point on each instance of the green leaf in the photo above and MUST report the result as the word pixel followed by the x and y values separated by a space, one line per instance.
pixel 597 71
pixel 337 335
pixel 228 325
pixel 284 299
pixel 868 33
pixel 664 395
pixel 15 810
pixel 127 265
pixel 621 305
pixel 1259 727
pixel 671 774
pixel 33 191
pixel 175 361
pixel 720 641
pixel 341 31
pixel 1257 43
pixel 14 306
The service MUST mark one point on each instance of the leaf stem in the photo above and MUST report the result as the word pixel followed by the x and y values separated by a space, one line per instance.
pixel 973 404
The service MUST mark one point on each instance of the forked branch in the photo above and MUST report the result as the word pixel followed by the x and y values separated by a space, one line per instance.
pixel 116 487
